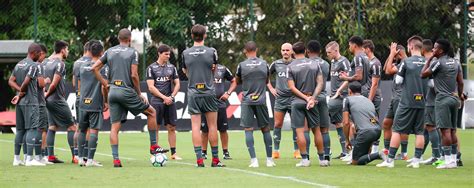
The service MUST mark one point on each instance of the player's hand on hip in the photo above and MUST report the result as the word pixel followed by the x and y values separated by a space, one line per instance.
pixel 106 107
pixel 144 99
pixel 274 92
pixel 15 100
pixel 168 100
pixel 224 97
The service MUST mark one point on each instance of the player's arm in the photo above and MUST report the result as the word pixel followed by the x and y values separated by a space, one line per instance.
pixel 460 81
pixel 346 121
pixel 375 81
pixel 298 93
pixel 401 73
pixel 389 68
pixel 105 94
pixel 96 69
pixel 12 83
pixel 233 85
pixel 429 68
pixel 74 81
pixel 319 86
pixel 269 84
pixel 177 86
pixel 56 78
pixel 358 71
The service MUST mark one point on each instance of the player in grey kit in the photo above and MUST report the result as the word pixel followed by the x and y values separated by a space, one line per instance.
pixel 161 76
pixel 362 112
pixel 59 113
pixel 321 132
pixel 93 101
pixel 199 63
pixel 283 97
pixel 449 86
pixel 124 92
pixel 24 81
pixel 305 80
pixel 339 65
pixel 410 112
pixel 43 114
pixel 253 74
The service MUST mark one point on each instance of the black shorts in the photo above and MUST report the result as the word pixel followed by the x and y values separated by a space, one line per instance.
pixel 363 142
pixel 221 121
pixel 409 121
pixel 165 114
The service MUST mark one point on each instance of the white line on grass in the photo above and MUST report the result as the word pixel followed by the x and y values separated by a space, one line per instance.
pixel 290 178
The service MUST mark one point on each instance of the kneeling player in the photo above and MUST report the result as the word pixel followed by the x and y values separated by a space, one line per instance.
pixel 362 112
pixel 91 104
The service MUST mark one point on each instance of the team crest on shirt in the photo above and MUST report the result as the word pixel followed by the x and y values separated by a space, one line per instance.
pixel 218 80
pixel 373 120
pixel 169 71
pixel 87 100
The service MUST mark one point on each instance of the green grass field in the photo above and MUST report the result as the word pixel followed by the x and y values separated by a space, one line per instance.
pixel 138 172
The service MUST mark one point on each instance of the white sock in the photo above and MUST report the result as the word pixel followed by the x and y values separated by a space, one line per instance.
pixel 16 157
pixel 29 158
pixel 252 160
pixel 269 159
pixel 37 157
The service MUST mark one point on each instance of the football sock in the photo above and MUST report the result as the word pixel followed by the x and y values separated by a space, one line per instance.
pixel 30 141
pixel 152 134
pixel 327 144
pixel 404 144
pixel 215 151
pixel 92 145
pixel 418 152
pixel 386 143
pixel 198 152
pixel 38 140
pixel 115 153
pixel 308 141
pixel 19 141
pixel 426 134
pixel 454 149
pixel 321 156
pixel 342 139
pixel 277 138
pixel 173 151
pixel 250 143
pixel 295 144
pixel 434 139
pixel 366 159
pixel 267 139
pixel 392 152
pixel 81 141
pixel 50 142
pixel 70 140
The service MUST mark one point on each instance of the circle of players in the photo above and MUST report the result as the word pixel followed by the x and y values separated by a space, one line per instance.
pixel 427 92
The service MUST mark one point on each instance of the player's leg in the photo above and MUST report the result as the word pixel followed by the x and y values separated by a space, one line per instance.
pixel 222 127
pixel 404 148
pixel 417 123
pixel 20 134
pixel 444 107
pixel 204 136
pixel 263 121
pixel 335 113
pixel 246 121
pixel 324 123
pixel 433 135
pixel 95 122
pixel 362 146
pixel 401 127
pixel 172 141
pixel 298 116
pixel 387 133
pixel 278 117
pixel 377 102
pixel 211 118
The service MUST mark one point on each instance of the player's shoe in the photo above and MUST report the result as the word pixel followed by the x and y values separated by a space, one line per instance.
pixel 117 163
pixel 93 163
pixel 200 162
pixel 18 162
pixel 270 163
pixel 415 163
pixel 347 158
pixel 297 154
pixel 340 156
pixel 459 162
pixel 154 149
pixel 227 156
pixel 304 163
pixel 426 161
pixel 176 157
pixel 54 159
pixel 386 164
pixel 217 163
pixel 34 162
pixel 401 156
pixel 75 159
pixel 447 165
pixel 385 151
pixel 324 163
pixel 438 162
pixel 253 163
pixel 276 154
pixel 410 160
pixel 81 162
pixel 204 156
pixel 45 161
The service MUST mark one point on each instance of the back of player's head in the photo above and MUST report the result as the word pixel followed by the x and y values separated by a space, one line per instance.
pixel 415 38
pixel 427 45
pixel 96 48
pixel 60 45
pixel 44 49
pixel 368 44
pixel 250 46
pixel 333 45
pixel 356 40
pixel 124 35
pixel 314 46
pixel 416 44
pixel 87 46
pixel 197 32
pixel 355 87
pixel 163 48
pixel 34 48
pixel 299 48
pixel 401 47
pixel 445 45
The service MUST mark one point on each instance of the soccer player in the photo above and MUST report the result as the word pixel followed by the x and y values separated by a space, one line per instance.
pixel 321 132
pixel 338 91
pixel 253 74
pixel 305 80
pixel 221 74
pixel 124 92
pixel 93 101
pixel 43 114
pixel 397 53
pixel 24 81
pixel 199 63
pixel 161 76
pixel 86 56
pixel 283 97
pixel 431 132
pixel 410 112
pixel 449 86
pixel 362 112
pixel 59 113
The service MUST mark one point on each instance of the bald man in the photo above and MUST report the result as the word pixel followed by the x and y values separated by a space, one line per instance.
pixel 125 94
pixel 283 97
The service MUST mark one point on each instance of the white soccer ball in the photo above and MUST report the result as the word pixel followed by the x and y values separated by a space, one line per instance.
pixel 158 160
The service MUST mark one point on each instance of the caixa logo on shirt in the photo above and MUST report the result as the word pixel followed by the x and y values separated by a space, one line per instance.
pixel 162 79
pixel 282 74
pixel 334 73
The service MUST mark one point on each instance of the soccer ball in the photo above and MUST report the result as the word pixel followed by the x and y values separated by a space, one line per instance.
pixel 158 160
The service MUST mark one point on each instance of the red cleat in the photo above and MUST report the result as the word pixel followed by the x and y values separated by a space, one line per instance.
pixel 217 163
pixel 200 162
pixel 117 163
pixel 154 149
pixel 54 159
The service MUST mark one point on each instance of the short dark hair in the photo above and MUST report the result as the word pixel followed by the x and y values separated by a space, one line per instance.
pixel 87 46
pixel 356 40
pixel 314 46
pixel 44 48
pixel 163 48
pixel 60 45
pixel 95 48
pixel 299 48
pixel 427 45
pixel 445 45
pixel 355 87
pixel 368 44
pixel 34 47
pixel 124 34
pixel 401 47
pixel 250 46
pixel 198 31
